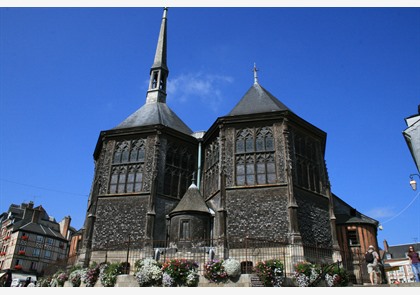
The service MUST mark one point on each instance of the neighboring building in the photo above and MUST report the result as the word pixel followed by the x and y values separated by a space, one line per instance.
pixel 75 246
pixel 397 264
pixel 412 137
pixel 355 233
pixel 260 170
pixel 31 240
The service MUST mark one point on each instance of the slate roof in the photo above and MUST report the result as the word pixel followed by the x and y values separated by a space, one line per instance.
pixel 45 225
pixel 192 201
pixel 156 113
pixel 257 100
pixel 400 251
pixel 345 214
pixel 37 228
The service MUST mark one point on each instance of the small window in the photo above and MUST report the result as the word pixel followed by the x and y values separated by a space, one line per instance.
pixel 39 239
pixel 33 265
pixel 47 254
pixel 185 230
pixel 36 252
pixel 353 238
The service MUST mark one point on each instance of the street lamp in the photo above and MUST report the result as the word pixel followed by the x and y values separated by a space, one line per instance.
pixel 413 183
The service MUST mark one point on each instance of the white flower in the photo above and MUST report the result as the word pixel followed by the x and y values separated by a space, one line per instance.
pixel 232 267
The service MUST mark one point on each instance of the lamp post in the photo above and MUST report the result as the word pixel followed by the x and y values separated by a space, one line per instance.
pixel 413 183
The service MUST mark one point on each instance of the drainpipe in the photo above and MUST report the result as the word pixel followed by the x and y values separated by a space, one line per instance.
pixel 199 135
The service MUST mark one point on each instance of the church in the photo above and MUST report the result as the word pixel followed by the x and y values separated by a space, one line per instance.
pixel 258 171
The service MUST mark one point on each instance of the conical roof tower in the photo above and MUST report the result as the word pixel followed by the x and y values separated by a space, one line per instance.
pixel 257 100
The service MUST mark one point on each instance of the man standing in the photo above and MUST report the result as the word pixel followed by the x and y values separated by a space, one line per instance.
pixel 372 260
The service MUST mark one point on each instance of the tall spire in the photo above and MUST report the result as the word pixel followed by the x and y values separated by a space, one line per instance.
pixel 159 71
pixel 255 70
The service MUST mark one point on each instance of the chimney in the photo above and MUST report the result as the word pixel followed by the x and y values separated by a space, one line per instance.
pixel 64 226
pixel 28 213
pixel 35 215
pixel 386 246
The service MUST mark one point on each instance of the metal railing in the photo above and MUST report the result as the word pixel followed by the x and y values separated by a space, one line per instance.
pixel 249 251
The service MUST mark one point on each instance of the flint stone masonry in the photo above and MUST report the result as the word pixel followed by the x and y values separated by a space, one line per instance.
pixel 112 227
pixel 314 220
pixel 258 212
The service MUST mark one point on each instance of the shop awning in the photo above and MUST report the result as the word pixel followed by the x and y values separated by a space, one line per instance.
pixel 394 265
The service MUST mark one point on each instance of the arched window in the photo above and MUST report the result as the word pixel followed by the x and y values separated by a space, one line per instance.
pixel 255 156
pixel 127 167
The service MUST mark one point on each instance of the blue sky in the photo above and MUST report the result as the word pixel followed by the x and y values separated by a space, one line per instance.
pixel 68 73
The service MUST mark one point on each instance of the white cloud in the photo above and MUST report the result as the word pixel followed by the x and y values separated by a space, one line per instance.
pixel 189 88
pixel 380 213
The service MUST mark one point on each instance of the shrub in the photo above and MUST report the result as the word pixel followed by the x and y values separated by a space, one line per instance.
pixel 109 273
pixel 75 277
pixel 214 271
pixel 149 272
pixel 336 277
pixel 182 272
pixel 232 267
pixel 90 276
pixel 44 282
pixel 167 281
pixel 59 278
pixel 270 272
pixel 306 273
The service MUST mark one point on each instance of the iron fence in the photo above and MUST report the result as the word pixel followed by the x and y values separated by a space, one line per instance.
pixel 249 251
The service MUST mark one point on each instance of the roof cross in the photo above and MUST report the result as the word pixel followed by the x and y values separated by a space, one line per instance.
pixel 255 70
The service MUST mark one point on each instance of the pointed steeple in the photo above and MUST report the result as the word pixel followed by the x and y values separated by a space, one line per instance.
pixel 155 111
pixel 159 71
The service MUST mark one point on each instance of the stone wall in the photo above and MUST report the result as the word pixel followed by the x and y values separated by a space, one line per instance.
pixel 314 219
pixel 257 212
pixel 119 217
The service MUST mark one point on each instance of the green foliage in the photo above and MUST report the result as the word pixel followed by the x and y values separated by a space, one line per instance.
pixel 270 272
pixel 336 277
pixel 214 271
pixel 306 273
pixel 182 272
pixel 109 273
pixel 148 272
pixel 91 275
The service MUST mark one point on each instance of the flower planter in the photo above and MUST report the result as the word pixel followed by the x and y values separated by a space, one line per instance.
pixel 25 238
pixel 21 252
pixel 18 267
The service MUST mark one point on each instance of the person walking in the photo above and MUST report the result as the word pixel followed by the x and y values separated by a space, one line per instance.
pixel 415 262
pixel 8 281
pixel 372 260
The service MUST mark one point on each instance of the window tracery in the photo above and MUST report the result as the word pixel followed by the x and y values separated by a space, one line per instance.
pixel 127 167
pixel 255 156
pixel 179 166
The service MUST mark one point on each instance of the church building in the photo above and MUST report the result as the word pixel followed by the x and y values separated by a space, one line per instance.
pixel 258 171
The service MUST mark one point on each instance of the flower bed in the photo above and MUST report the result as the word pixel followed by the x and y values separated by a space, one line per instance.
pixel 270 272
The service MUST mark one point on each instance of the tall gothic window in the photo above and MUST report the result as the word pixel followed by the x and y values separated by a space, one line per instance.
pixel 211 173
pixel 307 163
pixel 127 167
pixel 255 156
pixel 179 167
